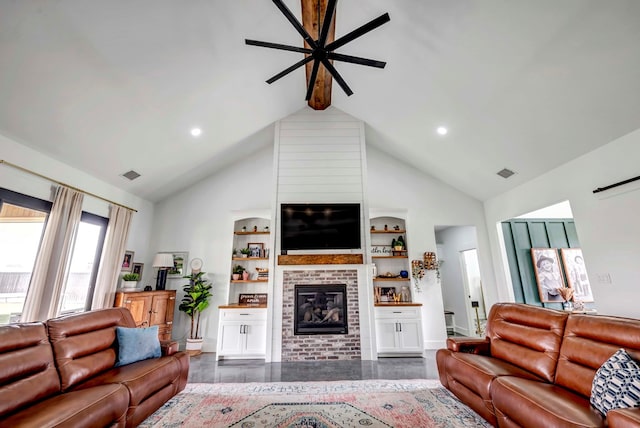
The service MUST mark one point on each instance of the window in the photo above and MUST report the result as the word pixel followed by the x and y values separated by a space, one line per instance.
pixel 78 291
pixel 22 222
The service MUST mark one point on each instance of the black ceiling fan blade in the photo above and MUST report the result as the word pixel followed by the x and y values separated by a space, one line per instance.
pixel 356 60
pixel 290 69
pixel 312 80
pixel 332 70
pixel 364 29
pixel 277 46
pixel 296 24
pixel 326 22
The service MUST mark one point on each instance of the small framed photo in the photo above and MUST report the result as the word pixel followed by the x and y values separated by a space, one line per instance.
pixel 127 261
pixel 137 268
pixel 256 248
pixel 180 259
pixel 546 266
pixel 576 274
pixel 386 294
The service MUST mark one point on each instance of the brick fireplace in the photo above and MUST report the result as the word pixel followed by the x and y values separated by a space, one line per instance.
pixel 307 347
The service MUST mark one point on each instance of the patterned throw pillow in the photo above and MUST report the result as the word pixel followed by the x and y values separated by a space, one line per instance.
pixel 616 383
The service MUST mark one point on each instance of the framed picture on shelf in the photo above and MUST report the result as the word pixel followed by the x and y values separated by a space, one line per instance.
pixel 256 248
pixel 546 267
pixel 386 294
pixel 127 261
pixel 180 259
pixel 576 274
pixel 137 268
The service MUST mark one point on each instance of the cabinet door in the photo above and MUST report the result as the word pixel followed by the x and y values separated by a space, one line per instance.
pixel 386 335
pixel 255 333
pixel 410 339
pixel 140 307
pixel 231 338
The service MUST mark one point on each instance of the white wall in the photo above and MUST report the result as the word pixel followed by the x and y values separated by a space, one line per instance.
pixel 607 223
pixel 22 182
pixel 392 185
pixel 199 220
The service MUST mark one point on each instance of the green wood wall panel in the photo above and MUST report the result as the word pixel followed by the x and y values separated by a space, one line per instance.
pixel 520 236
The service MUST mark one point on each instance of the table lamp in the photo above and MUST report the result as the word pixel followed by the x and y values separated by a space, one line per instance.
pixel 162 261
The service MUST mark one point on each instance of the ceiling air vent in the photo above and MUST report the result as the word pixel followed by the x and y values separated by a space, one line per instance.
pixel 505 173
pixel 131 175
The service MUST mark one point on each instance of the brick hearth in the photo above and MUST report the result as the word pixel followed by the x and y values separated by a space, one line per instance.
pixel 323 346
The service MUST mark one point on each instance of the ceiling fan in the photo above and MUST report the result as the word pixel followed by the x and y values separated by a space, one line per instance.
pixel 320 52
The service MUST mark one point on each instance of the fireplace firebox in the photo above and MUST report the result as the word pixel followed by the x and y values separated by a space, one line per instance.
pixel 320 309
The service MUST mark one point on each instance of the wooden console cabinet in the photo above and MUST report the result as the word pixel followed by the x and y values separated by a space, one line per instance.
pixel 150 308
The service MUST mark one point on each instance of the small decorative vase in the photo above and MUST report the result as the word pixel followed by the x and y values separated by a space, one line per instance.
pixel 404 274
pixel 245 275
pixel 567 306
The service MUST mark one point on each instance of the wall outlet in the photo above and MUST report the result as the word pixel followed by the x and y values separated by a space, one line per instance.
pixel 603 278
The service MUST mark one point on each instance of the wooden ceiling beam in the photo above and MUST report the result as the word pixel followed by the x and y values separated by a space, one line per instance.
pixel 312 15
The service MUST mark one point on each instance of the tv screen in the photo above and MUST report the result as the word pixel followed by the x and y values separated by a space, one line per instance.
pixel 320 226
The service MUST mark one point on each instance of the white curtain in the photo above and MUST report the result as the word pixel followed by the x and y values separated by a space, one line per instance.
pixel 52 263
pixel 112 255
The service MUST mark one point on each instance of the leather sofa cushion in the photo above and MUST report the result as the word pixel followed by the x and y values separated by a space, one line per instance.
pixel 84 344
pixel 27 372
pixel 624 418
pixel 527 336
pixel 101 406
pixel 589 341
pixel 529 403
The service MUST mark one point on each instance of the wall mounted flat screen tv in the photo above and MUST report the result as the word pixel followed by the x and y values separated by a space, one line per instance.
pixel 321 226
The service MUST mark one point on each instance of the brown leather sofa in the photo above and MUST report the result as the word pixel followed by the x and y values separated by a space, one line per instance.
pixel 535 367
pixel 61 374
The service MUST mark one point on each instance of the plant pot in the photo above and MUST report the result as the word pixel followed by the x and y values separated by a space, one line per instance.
pixel 245 275
pixel 194 346
pixel 129 285
pixel 235 276
pixel 244 256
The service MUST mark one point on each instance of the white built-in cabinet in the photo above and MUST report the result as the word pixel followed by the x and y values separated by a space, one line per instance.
pixel 242 327
pixel 242 333
pixel 399 330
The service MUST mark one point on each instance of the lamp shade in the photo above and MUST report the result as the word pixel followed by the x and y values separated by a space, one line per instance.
pixel 162 260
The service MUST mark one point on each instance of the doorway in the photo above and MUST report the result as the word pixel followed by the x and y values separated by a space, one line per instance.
pixel 460 280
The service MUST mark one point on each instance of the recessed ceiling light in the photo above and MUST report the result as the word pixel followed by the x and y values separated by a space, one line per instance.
pixel 196 132
pixel 442 130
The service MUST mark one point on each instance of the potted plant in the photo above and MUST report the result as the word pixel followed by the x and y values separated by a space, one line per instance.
pixel 195 300
pixel 237 271
pixel 245 252
pixel 129 281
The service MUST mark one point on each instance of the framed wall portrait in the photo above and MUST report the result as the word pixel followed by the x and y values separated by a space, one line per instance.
pixel 127 261
pixel 137 268
pixel 546 266
pixel 576 274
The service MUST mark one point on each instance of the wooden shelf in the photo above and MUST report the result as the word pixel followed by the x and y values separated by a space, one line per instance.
pixel 389 231
pixel 389 257
pixel 379 278
pixel 383 304
pixel 235 281
pixel 249 258
pixel 321 259
pixel 251 232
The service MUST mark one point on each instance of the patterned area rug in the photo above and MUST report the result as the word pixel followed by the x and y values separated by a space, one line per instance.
pixel 337 404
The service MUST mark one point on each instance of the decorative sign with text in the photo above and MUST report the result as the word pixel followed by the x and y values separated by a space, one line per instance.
pixel 381 250
pixel 258 299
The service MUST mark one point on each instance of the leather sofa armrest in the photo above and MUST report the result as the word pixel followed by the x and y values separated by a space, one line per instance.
pixel 624 418
pixel 469 345
pixel 168 347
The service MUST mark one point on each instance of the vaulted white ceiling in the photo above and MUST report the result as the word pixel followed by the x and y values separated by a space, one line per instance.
pixel 109 86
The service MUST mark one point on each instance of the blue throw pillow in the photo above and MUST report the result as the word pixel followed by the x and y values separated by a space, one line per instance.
pixel 616 383
pixel 136 344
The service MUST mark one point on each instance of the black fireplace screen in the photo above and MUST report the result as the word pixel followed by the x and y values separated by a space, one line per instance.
pixel 320 309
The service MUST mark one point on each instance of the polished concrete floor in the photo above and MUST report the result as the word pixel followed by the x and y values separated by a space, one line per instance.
pixel 205 369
